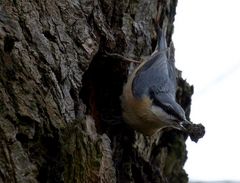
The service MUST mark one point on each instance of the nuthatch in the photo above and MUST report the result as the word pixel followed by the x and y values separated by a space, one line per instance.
pixel 148 98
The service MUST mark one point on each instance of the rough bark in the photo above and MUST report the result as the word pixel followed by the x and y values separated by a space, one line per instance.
pixel 60 114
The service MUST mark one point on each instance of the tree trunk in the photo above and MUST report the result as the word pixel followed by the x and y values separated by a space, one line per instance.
pixel 60 112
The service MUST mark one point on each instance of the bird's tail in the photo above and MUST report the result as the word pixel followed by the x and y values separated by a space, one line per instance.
pixel 161 40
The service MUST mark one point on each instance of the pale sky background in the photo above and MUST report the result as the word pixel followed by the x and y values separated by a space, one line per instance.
pixel 207 42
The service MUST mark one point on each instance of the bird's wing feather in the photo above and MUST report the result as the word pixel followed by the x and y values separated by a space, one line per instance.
pixel 157 74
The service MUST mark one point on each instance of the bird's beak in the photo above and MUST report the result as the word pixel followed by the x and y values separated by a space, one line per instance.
pixel 185 124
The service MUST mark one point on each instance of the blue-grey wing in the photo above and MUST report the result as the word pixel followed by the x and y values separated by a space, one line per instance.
pixel 164 95
pixel 157 79
pixel 158 75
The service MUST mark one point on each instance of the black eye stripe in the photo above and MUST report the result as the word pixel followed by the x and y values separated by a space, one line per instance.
pixel 167 108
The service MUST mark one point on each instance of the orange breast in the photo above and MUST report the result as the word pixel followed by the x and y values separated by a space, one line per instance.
pixel 137 112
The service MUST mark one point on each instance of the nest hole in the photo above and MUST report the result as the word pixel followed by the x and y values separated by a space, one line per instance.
pixel 102 88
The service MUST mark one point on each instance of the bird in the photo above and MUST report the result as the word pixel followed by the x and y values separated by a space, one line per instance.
pixel 148 99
